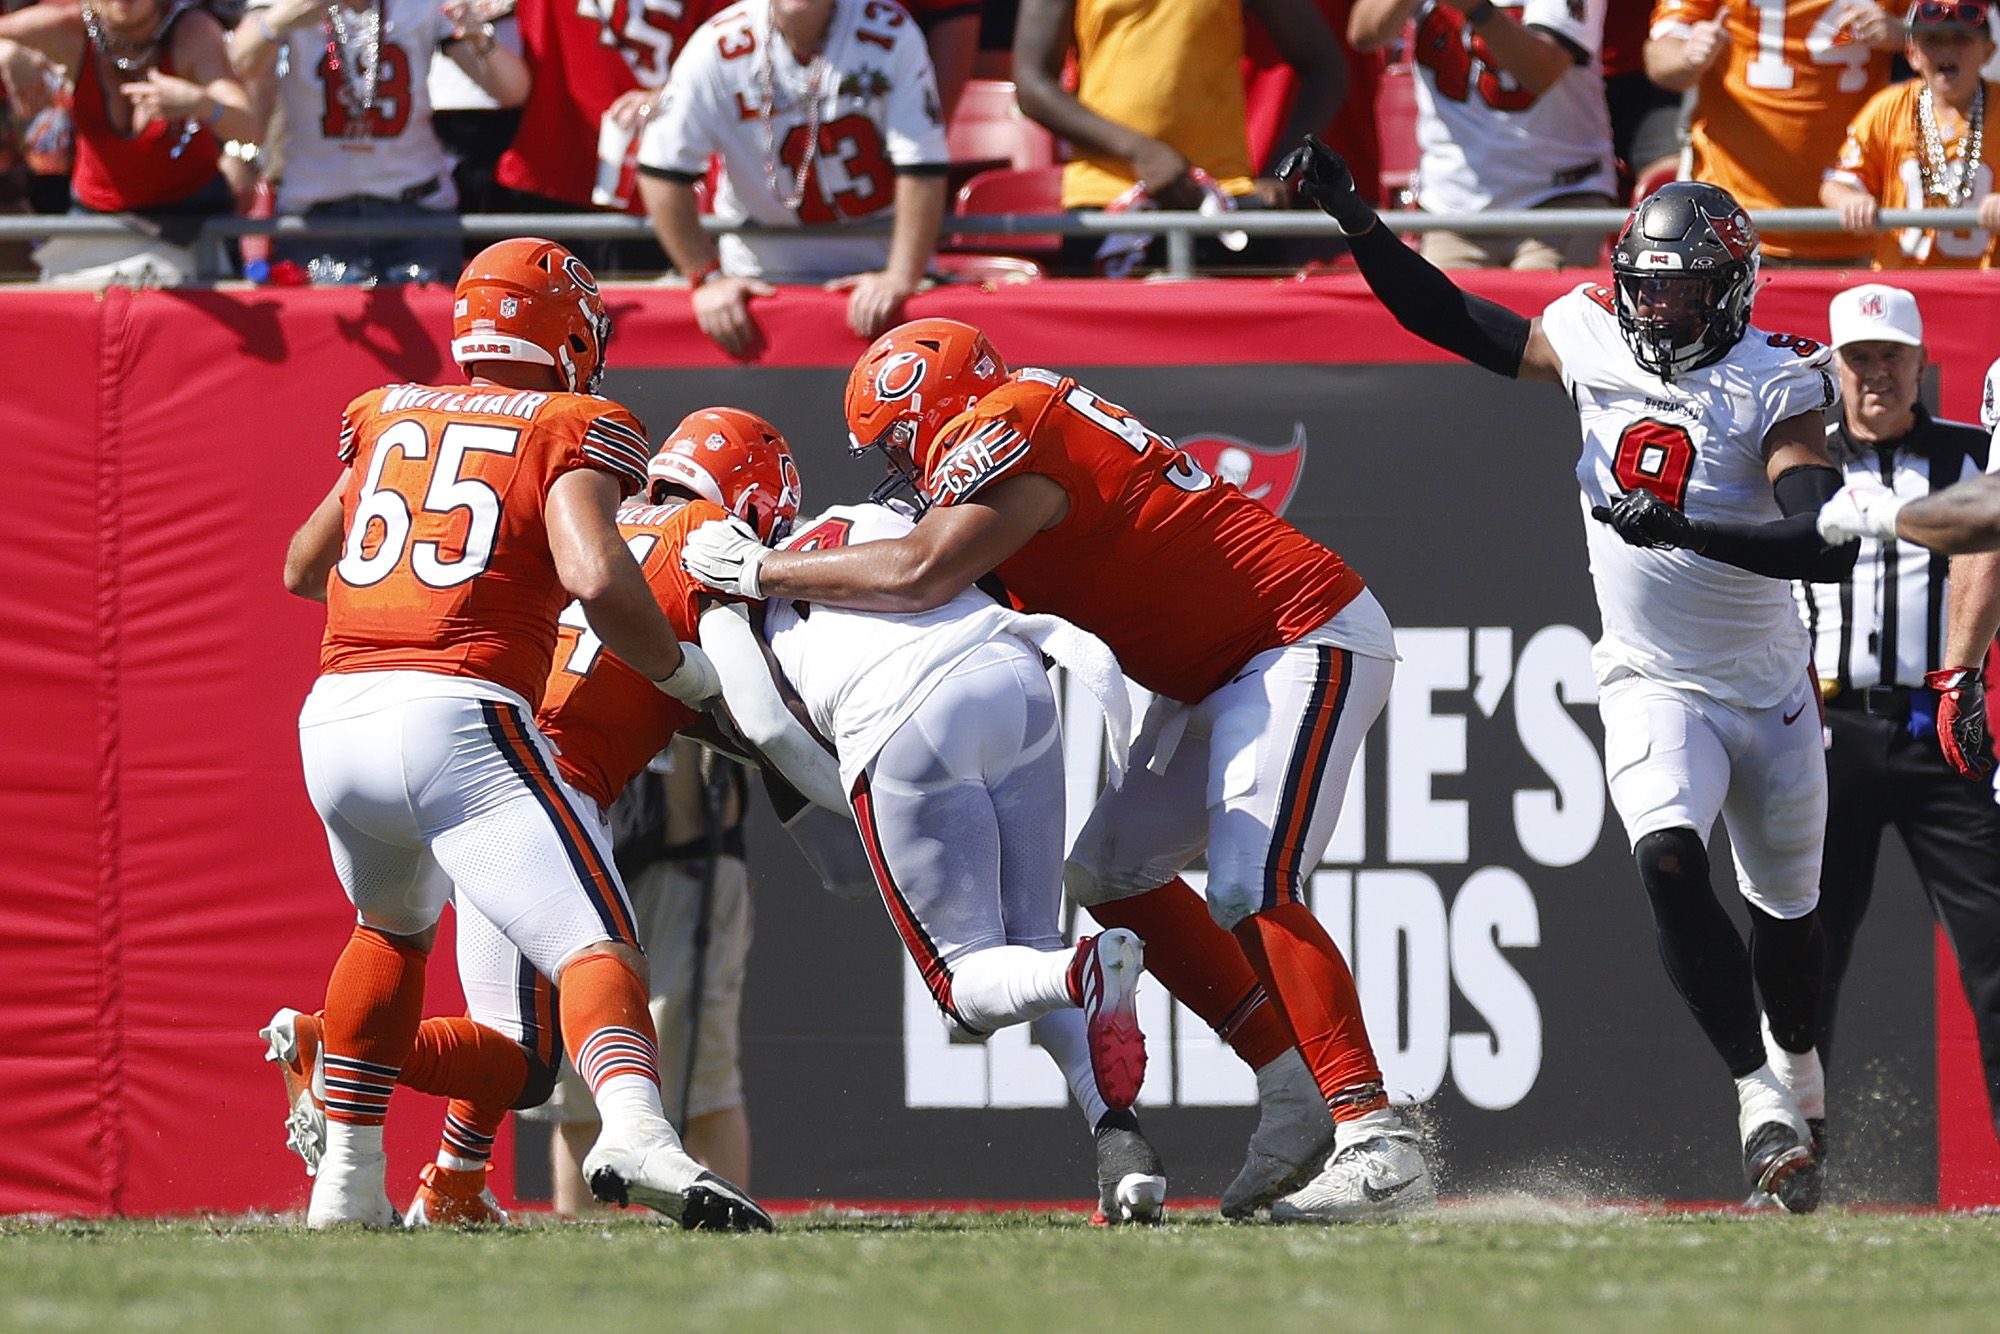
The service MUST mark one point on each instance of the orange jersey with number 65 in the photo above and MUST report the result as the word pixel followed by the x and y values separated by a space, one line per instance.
pixel 1184 576
pixel 444 564
pixel 605 719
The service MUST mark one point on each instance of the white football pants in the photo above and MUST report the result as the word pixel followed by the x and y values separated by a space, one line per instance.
pixel 1676 758
pixel 427 782
pixel 961 813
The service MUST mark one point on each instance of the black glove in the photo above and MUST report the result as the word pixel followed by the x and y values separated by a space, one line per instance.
pixel 1644 520
pixel 1321 175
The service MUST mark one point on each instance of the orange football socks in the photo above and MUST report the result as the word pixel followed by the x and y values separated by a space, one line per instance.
pixel 374 1001
pixel 1311 984
pixel 606 1024
pixel 481 1070
pixel 1203 967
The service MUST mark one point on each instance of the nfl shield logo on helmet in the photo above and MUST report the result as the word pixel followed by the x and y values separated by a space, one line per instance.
pixel 509 307
pixel 1268 474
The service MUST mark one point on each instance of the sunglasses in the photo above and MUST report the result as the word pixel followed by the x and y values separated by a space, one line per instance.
pixel 1959 13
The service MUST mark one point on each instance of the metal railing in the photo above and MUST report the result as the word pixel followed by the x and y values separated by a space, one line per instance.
pixel 1179 229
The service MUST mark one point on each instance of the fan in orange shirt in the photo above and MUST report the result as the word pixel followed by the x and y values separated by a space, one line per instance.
pixel 1775 79
pixel 1932 142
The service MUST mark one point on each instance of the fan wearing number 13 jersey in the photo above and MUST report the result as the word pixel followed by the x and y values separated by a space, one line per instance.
pixel 1269 659
pixel 464 520
pixel 823 113
pixel 1703 469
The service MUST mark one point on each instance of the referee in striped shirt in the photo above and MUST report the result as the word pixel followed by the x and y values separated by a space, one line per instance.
pixel 1876 635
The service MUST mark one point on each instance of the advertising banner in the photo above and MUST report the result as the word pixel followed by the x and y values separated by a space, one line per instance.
pixel 166 884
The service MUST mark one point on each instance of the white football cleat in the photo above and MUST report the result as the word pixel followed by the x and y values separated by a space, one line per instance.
pixel 1778 1156
pixel 659 1174
pixel 1107 971
pixel 305 1087
pixel 1293 1137
pixel 1376 1172
pixel 352 1188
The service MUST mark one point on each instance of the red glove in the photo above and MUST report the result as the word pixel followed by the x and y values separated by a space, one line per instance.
pixel 1961 720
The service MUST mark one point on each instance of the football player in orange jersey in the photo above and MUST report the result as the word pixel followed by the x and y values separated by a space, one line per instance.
pixel 606 721
pixel 464 520
pixel 1269 657
pixel 1777 81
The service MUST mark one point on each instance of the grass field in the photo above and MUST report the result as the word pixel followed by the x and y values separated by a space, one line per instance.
pixel 1503 1264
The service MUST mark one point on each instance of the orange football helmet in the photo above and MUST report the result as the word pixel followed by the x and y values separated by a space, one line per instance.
pixel 531 300
pixel 913 380
pixel 734 459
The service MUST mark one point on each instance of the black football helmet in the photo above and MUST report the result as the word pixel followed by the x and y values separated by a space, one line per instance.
pixel 1685 270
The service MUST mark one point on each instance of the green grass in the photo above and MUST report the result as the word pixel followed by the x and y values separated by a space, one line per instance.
pixel 1496 1265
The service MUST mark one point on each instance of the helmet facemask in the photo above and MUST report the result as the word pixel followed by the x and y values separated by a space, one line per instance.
pixel 1670 321
pixel 904 486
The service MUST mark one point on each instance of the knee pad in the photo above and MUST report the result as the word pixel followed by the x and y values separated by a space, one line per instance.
pixel 1231 900
pixel 1086 888
pixel 541 1083
pixel 1669 859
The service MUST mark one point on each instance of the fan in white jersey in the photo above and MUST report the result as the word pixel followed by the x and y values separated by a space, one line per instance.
pixel 823 113
pixel 1511 113
pixel 352 79
pixel 949 744
pixel 1704 451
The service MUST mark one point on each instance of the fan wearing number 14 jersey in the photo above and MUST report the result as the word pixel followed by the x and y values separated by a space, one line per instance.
pixel 1703 468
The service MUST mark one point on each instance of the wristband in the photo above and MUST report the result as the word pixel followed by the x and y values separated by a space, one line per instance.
pixel 1480 12
pixel 707 271
pixel 215 116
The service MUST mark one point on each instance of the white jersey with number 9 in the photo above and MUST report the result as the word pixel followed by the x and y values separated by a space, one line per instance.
pixel 1697 443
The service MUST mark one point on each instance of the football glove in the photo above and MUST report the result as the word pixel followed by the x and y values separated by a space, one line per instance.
pixel 695 682
pixel 1961 720
pixel 1321 175
pixel 1861 509
pixel 1644 520
pixel 725 555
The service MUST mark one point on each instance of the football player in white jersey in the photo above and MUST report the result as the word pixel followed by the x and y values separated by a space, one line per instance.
pixel 823 113
pixel 949 744
pixel 1704 450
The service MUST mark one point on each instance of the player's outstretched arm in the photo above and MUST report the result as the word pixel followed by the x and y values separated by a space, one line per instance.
pixel 1959 519
pixel 1802 478
pixel 761 711
pixel 950 548
pixel 315 547
pixel 598 571
pixel 1410 287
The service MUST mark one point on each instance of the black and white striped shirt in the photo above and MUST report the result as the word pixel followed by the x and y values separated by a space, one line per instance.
pixel 1885 623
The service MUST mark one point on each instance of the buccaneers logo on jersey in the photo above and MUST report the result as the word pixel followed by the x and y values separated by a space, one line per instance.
pixel 1267 474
